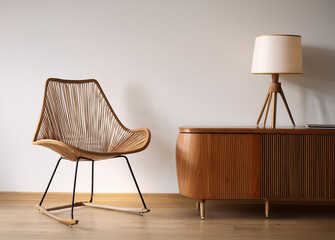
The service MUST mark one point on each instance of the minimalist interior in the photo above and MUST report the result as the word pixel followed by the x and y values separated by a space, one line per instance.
pixel 167 119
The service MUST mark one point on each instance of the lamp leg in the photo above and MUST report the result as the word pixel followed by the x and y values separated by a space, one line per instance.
pixel 286 105
pixel 274 110
pixel 267 109
pixel 275 87
pixel 263 108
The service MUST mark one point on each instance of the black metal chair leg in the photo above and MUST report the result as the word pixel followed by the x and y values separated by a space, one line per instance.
pixel 92 181
pixel 52 176
pixel 138 189
pixel 74 187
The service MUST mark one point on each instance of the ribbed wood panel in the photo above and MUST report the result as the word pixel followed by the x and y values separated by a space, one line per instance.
pixel 297 166
pixel 218 166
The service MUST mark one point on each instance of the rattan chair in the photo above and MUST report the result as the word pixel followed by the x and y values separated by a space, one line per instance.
pixel 78 122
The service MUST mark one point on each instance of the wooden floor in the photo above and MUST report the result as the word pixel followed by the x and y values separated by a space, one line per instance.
pixel 171 217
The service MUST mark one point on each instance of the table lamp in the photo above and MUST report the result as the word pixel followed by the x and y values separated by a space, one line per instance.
pixel 276 54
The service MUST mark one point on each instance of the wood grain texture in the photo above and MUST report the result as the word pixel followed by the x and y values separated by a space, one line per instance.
pixel 67 221
pixel 271 164
pixel 119 209
pixel 254 130
pixel 172 217
pixel 218 166
pixel 78 121
pixel 298 166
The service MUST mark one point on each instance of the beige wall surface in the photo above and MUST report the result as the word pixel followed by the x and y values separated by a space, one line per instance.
pixel 162 64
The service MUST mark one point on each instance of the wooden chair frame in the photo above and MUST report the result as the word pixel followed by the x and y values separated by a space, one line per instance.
pixel 52 133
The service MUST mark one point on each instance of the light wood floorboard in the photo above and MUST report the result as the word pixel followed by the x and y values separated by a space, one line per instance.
pixel 172 217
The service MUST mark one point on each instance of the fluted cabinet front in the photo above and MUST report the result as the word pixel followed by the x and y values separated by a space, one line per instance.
pixel 297 166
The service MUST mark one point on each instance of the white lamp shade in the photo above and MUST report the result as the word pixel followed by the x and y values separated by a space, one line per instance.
pixel 277 54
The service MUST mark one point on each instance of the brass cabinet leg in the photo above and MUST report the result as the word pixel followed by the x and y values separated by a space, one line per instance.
pixel 267 207
pixel 202 209
pixel 197 204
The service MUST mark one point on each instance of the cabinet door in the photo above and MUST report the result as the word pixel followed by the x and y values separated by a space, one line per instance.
pixel 298 166
pixel 218 166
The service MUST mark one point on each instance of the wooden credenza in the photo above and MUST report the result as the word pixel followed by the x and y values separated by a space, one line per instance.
pixel 255 163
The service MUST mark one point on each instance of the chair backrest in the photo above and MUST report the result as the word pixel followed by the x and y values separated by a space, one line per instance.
pixel 78 113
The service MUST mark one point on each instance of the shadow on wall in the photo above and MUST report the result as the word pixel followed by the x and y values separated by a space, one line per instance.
pixel 317 81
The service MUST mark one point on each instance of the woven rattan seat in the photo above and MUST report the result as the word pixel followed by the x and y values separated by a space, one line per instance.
pixel 78 122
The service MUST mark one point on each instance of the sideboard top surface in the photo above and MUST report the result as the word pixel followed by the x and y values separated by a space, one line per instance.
pixel 253 129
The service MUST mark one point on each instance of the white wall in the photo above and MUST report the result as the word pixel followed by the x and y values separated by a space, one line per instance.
pixel 162 64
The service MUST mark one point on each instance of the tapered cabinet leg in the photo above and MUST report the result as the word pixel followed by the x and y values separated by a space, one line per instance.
pixel 202 209
pixel 197 204
pixel 267 208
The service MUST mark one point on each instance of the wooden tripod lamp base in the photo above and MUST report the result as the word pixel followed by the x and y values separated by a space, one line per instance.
pixel 276 53
pixel 275 88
